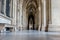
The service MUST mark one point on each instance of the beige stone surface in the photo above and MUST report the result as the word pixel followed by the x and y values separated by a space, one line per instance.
pixel 1 26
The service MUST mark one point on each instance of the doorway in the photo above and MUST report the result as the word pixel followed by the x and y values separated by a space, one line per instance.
pixel 10 29
pixel 31 22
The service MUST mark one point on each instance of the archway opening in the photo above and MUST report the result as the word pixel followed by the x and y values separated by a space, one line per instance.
pixel 31 22
pixel 31 14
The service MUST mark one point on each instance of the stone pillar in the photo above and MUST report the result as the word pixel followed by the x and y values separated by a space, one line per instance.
pixel 5 7
pixel 40 15
pixel 21 14
pixel 14 13
pixel 43 15
pixel 11 9
pixel 47 15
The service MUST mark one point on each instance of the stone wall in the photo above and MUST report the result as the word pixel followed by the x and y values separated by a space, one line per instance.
pixel 1 27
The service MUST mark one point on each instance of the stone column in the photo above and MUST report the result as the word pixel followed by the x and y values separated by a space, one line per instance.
pixel 14 13
pixel 0 5
pixel 21 15
pixel 4 7
pixel 40 15
pixel 43 15
pixel 47 15
pixel 11 9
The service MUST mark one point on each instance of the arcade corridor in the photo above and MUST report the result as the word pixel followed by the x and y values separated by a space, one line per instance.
pixel 29 19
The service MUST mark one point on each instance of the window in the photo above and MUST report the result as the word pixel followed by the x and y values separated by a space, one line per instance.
pixel 8 8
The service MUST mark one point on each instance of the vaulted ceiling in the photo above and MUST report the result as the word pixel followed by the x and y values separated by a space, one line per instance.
pixel 31 5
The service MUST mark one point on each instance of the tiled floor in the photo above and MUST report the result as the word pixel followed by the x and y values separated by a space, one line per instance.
pixel 30 35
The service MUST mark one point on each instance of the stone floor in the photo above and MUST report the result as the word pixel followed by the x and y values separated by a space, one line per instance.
pixel 29 35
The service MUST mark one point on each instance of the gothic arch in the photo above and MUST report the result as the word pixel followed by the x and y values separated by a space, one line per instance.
pixel 37 7
pixel 31 5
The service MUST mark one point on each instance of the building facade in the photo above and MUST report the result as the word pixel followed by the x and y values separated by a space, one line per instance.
pixel 41 15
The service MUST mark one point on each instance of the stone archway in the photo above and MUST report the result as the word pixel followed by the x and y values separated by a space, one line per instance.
pixel 30 7
pixel 40 9
pixel 31 22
